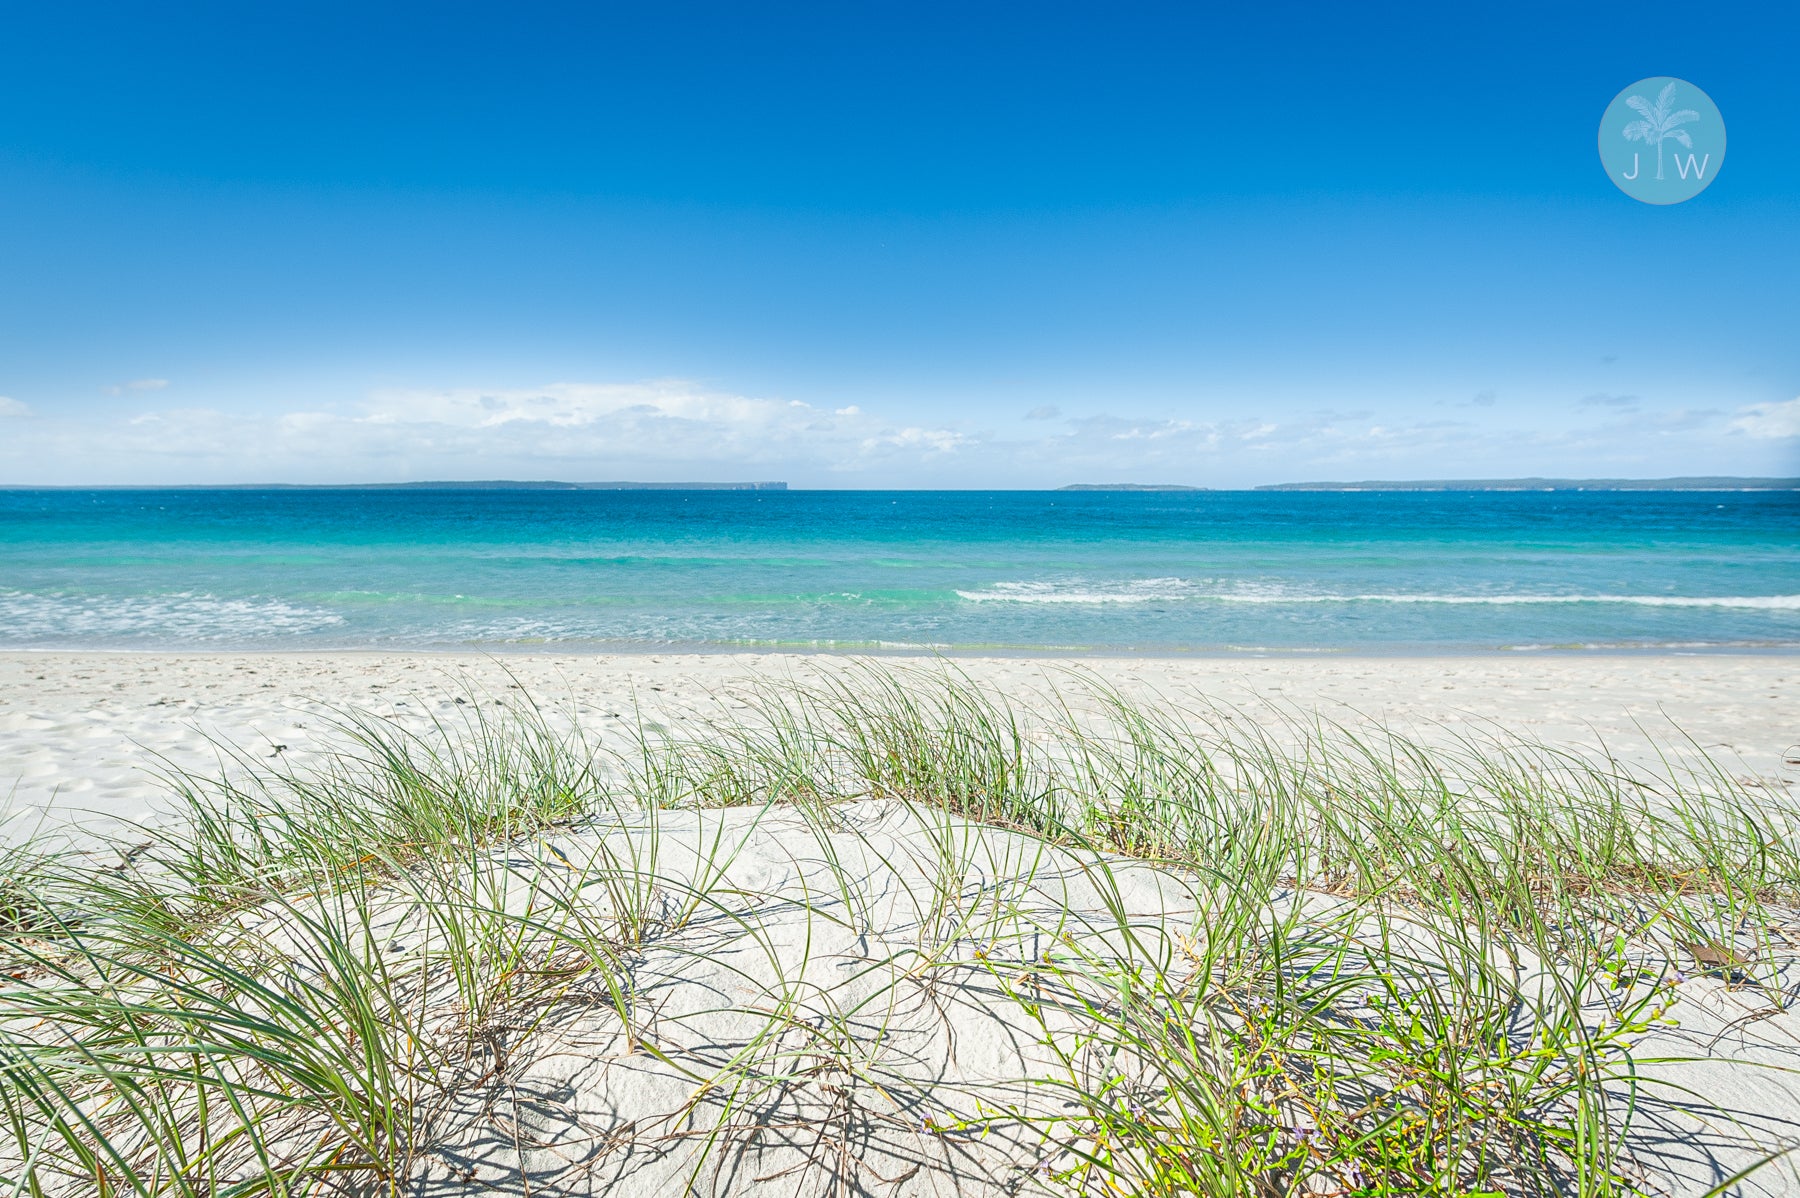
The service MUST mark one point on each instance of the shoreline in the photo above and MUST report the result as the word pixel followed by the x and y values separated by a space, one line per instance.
pixel 81 731
pixel 850 651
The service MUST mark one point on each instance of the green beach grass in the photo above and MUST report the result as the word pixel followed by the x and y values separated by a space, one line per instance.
pixel 1229 958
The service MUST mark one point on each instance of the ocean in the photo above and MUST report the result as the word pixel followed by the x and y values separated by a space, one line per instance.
pixel 1200 572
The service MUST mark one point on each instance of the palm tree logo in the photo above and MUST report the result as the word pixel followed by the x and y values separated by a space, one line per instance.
pixel 1659 123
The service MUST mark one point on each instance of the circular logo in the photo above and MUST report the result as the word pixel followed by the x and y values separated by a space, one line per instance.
pixel 1662 140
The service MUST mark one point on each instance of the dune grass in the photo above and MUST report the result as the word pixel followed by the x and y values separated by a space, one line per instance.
pixel 1408 966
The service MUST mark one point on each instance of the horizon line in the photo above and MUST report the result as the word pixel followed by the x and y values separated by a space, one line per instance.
pixel 1525 483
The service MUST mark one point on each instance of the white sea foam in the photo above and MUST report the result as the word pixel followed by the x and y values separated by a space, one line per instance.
pixel 1755 602
pixel 30 618
pixel 1164 590
pixel 1145 590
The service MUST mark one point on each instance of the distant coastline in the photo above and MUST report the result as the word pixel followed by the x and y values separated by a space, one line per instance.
pixel 1693 483
pixel 1698 483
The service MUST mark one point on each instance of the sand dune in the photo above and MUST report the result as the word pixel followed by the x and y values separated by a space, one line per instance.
pixel 864 994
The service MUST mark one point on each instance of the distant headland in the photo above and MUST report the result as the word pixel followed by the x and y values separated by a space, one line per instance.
pixel 1694 483
pixel 1699 483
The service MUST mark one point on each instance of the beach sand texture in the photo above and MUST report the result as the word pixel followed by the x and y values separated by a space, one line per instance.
pixel 80 733
pixel 868 971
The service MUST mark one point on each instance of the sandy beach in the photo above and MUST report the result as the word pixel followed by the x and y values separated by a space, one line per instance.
pixel 81 734
pixel 698 990
pixel 837 601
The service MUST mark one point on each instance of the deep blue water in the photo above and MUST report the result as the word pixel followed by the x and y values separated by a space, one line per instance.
pixel 1031 570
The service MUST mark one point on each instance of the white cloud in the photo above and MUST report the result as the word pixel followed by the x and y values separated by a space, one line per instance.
pixel 664 422
pixel 674 429
pixel 929 440
pixel 1769 420
pixel 137 385
pixel 12 407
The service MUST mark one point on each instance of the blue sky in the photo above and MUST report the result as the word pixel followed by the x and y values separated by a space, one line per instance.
pixel 884 244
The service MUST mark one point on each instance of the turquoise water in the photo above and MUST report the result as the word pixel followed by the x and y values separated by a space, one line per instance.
pixel 1157 572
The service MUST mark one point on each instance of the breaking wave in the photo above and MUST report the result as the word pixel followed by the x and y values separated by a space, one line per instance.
pixel 1167 590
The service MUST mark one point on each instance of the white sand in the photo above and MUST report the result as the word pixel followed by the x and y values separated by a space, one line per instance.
pixel 871 1042
pixel 80 732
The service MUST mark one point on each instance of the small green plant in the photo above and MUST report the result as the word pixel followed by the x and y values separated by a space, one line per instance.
pixel 1234 957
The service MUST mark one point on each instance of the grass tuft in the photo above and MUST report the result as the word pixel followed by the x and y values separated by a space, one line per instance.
pixel 1396 966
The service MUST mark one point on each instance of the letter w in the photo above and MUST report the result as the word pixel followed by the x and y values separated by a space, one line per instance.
pixel 1685 167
